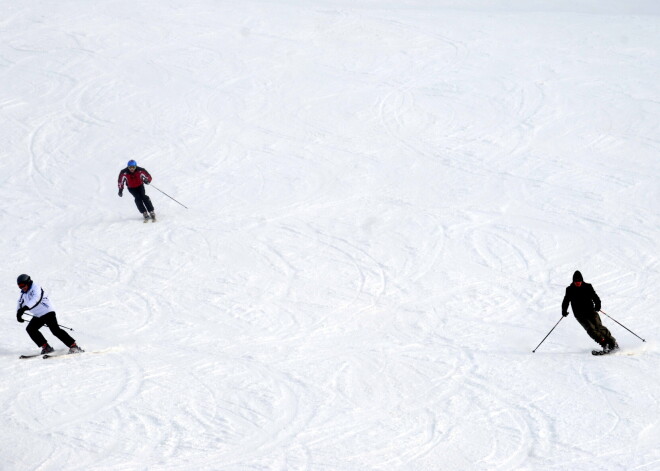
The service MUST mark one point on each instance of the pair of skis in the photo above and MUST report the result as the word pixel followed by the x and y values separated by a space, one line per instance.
pixel 46 356
pixel 603 352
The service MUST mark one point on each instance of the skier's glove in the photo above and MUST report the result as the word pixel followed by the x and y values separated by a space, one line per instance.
pixel 564 313
pixel 121 190
pixel 19 315
pixel 146 182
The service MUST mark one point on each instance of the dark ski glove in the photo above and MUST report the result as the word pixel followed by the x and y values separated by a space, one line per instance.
pixel 19 314
pixel 146 182
pixel 564 313
pixel 121 190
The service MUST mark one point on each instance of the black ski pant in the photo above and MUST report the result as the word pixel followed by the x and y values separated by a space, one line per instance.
pixel 595 328
pixel 142 200
pixel 49 320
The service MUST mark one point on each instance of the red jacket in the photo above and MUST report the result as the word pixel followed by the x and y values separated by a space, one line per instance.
pixel 133 179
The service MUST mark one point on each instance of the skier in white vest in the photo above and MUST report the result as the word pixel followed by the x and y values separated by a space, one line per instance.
pixel 34 299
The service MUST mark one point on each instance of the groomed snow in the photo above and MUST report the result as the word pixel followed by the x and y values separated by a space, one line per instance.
pixel 386 202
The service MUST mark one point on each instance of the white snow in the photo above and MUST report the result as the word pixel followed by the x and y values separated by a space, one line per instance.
pixel 386 201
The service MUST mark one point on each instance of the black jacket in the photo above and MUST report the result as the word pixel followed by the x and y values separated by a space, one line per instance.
pixel 584 300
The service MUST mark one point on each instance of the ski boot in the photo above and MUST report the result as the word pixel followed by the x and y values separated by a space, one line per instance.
pixel 75 349
pixel 612 345
pixel 45 349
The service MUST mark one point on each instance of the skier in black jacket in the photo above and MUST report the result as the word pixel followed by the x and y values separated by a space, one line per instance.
pixel 586 304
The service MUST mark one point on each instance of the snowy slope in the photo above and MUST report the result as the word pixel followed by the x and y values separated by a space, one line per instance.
pixel 386 201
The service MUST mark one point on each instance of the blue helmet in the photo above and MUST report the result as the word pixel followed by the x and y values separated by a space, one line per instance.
pixel 131 163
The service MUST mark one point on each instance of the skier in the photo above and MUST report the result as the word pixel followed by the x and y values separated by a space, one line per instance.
pixel 135 178
pixel 586 304
pixel 34 299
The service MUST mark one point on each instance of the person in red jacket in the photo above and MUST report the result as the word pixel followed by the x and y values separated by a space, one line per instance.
pixel 135 178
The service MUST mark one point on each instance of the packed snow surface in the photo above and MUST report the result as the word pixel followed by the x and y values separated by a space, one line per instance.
pixel 386 201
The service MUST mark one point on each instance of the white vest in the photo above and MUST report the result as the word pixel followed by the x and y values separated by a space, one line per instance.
pixel 36 300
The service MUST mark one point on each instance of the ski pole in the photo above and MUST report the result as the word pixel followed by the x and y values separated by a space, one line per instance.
pixel 623 326
pixel 537 347
pixel 60 326
pixel 169 196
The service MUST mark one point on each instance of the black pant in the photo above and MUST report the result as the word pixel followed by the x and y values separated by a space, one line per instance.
pixel 596 330
pixel 50 320
pixel 142 201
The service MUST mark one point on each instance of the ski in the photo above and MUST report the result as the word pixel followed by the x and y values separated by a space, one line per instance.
pixel 50 355
pixel 58 355
pixel 36 355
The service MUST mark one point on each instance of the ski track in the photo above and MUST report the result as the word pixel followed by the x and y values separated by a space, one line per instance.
pixel 383 218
